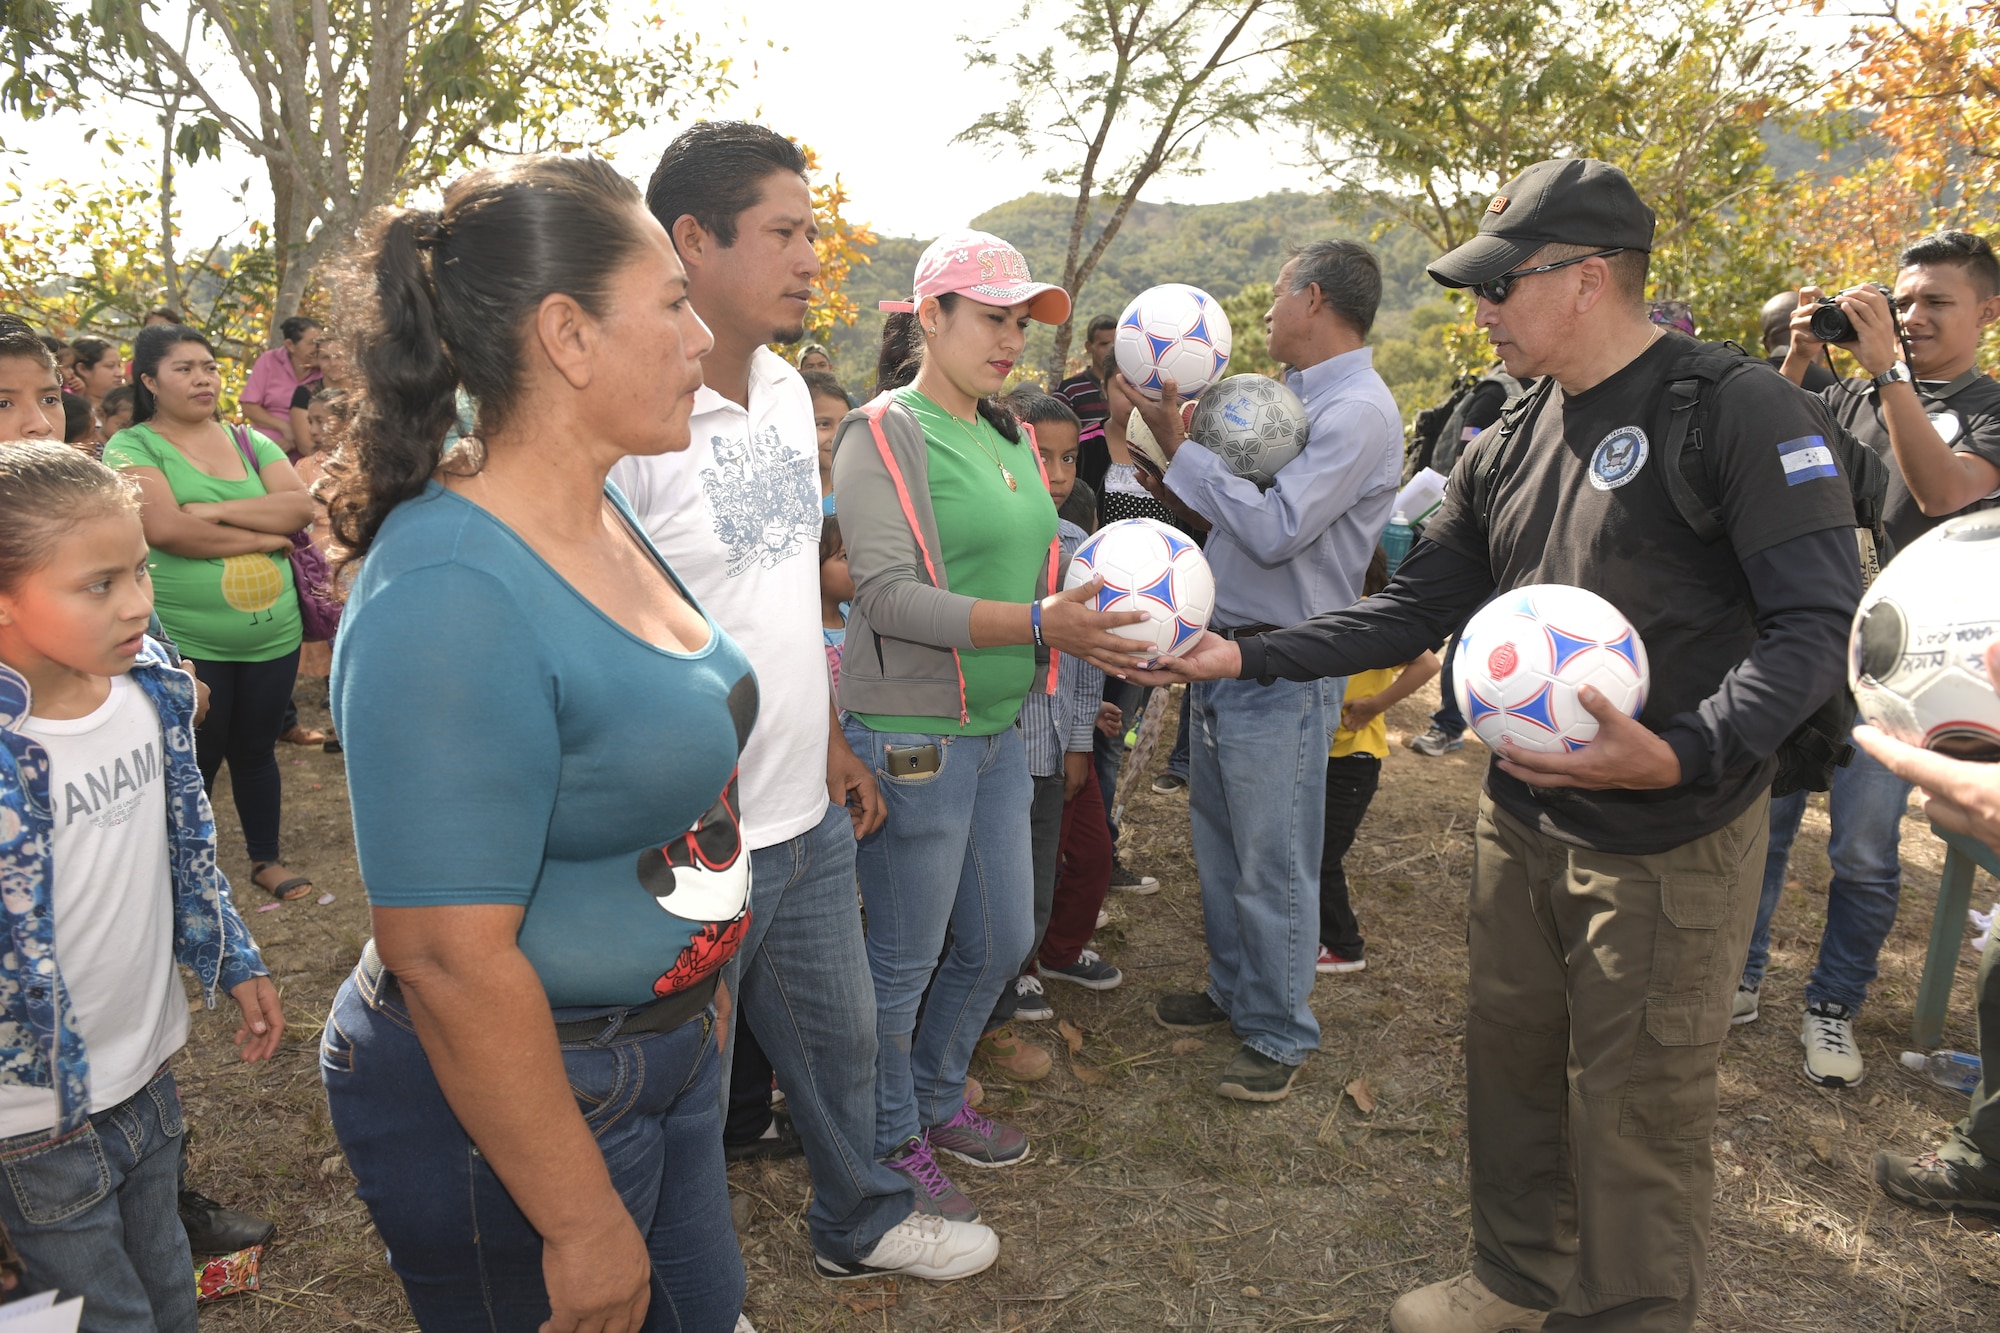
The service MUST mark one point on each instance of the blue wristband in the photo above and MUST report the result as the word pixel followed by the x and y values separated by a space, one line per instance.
pixel 1035 622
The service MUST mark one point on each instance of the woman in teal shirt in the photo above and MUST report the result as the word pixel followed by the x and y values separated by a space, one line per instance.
pixel 951 541
pixel 522 1071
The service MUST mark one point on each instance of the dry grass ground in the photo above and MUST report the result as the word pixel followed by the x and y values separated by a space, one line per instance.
pixel 1151 1203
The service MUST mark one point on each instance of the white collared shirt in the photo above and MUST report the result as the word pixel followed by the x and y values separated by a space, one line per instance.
pixel 737 516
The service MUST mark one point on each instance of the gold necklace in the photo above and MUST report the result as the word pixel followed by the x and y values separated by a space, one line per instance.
pixel 980 445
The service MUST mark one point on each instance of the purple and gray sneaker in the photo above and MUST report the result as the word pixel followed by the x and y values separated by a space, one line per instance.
pixel 971 1137
pixel 936 1195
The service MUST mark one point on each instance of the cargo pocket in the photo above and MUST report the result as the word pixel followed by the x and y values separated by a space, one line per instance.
pixel 1671 1090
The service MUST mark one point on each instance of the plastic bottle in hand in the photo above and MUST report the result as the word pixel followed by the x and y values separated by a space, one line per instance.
pixel 1948 1069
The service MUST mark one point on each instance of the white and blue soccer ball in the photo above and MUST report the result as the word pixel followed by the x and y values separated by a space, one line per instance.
pixel 1917 654
pixel 1523 658
pixel 1172 332
pixel 1254 424
pixel 1151 567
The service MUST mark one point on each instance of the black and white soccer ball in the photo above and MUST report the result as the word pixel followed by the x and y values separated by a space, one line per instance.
pixel 1254 424
pixel 1917 654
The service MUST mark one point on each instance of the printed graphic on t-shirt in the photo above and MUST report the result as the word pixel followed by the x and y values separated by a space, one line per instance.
pixel 764 497
pixel 703 876
pixel 1947 424
pixel 109 796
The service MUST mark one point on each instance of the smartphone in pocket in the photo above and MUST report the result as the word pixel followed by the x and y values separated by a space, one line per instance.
pixel 908 761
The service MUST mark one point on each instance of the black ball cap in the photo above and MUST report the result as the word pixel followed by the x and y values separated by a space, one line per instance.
pixel 1565 201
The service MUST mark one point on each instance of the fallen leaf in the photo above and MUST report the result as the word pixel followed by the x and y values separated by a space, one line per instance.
pixel 1822 1148
pixel 1362 1095
pixel 1090 1076
pixel 1072 1035
pixel 1187 1045
pixel 1252 1291
pixel 1379 1190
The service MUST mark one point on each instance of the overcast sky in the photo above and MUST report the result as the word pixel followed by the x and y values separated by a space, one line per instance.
pixel 879 100
pixel 878 91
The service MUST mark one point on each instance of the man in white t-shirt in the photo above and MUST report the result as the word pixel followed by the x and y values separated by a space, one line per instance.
pixel 737 516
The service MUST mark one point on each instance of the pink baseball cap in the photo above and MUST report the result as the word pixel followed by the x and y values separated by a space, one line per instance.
pixel 986 269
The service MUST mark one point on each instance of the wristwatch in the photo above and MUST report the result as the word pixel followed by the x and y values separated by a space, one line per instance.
pixel 1896 374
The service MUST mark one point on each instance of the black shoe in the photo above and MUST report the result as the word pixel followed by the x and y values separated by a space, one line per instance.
pixel 1188 1011
pixel 332 745
pixel 1255 1077
pixel 213 1229
pixel 774 1145
pixel 1938 1183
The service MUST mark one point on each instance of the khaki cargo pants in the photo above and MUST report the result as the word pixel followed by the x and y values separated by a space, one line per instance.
pixel 1600 993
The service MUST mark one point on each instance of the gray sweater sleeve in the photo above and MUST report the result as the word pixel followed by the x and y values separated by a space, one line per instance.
pixel 892 586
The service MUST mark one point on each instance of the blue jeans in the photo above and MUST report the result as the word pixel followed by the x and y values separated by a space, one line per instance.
pixel 94 1214
pixel 1865 810
pixel 1448 718
pixel 469 1260
pixel 1257 800
pixel 801 980
pixel 954 855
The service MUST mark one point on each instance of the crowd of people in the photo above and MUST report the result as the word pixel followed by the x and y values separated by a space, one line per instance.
pixel 730 679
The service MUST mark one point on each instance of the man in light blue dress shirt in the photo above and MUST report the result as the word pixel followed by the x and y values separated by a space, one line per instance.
pixel 1257 789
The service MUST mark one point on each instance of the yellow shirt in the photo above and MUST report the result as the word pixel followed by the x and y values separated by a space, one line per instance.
pixel 1373 738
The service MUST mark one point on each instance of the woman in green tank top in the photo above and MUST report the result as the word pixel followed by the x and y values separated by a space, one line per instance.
pixel 220 533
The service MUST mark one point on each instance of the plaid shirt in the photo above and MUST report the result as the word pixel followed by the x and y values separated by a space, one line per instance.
pixel 1059 723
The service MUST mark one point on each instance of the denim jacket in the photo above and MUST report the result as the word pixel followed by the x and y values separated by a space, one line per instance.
pixel 40 1044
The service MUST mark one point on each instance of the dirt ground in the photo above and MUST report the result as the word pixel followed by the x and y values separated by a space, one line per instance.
pixel 1150 1202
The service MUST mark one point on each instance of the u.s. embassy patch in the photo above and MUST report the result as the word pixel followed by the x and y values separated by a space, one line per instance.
pixel 1618 458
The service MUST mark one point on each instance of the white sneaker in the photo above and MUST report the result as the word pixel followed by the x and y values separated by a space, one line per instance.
pixel 1033 1005
pixel 921 1246
pixel 743 1324
pixel 1745 1010
pixel 1832 1060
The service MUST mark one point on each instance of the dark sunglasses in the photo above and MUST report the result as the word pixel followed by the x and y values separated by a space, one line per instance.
pixel 1496 289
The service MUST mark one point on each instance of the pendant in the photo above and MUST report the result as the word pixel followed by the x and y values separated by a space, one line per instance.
pixel 1012 485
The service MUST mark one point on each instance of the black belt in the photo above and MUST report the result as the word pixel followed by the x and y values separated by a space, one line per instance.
pixel 663 1015
pixel 1242 631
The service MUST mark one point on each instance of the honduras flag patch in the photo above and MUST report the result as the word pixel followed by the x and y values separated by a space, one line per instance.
pixel 1806 458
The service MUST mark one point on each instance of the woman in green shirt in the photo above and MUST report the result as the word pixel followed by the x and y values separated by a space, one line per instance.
pixel 222 574
pixel 951 540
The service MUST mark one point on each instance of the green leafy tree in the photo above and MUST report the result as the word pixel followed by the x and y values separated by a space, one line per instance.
pixel 350 104
pixel 1135 90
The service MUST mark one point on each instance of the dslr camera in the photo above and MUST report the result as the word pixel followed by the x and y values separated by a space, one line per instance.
pixel 1830 323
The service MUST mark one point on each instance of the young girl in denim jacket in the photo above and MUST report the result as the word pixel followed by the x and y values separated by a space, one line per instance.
pixel 107 879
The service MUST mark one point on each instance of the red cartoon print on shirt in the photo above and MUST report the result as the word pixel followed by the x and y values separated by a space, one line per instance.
pixel 702 876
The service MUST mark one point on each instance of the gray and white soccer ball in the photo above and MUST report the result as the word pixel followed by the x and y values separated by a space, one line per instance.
pixel 1254 424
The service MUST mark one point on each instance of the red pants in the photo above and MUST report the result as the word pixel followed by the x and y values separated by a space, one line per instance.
pixel 1083 877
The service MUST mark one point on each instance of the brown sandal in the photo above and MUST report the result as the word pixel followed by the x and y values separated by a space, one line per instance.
pixel 283 890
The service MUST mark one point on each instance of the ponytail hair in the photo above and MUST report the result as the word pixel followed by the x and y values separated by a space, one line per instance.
pixel 148 350
pixel 435 301
pixel 902 357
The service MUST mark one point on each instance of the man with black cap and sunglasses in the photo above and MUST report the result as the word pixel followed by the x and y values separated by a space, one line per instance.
pixel 1614 887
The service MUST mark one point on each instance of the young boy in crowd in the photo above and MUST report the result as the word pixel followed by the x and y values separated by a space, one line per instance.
pixel 1056 729
pixel 1353 771
pixel 829 402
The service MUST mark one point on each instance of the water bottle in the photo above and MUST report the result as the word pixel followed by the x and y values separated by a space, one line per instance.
pixel 1396 540
pixel 1948 1069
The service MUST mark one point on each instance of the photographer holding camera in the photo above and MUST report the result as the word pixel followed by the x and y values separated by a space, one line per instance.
pixel 1922 404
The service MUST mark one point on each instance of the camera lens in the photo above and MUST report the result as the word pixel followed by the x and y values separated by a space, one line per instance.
pixel 1830 323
